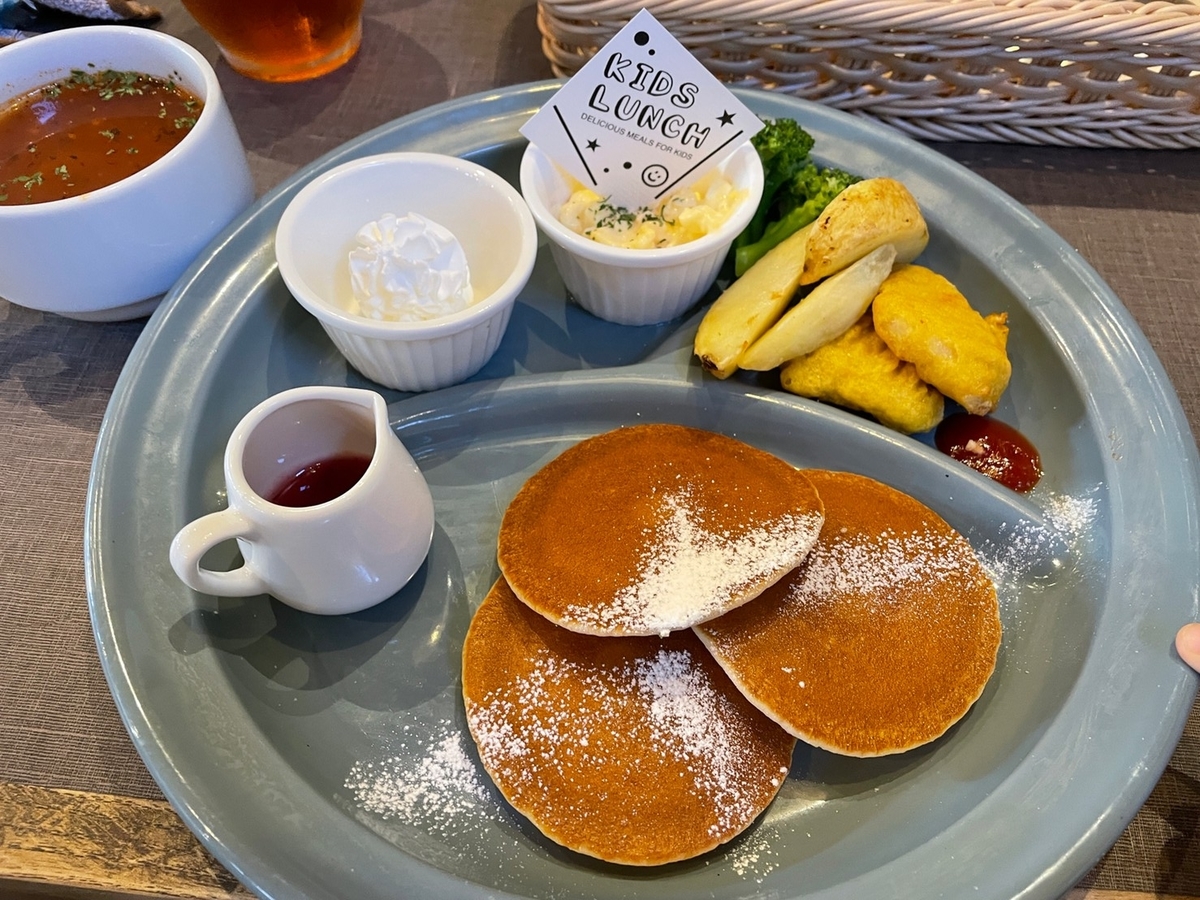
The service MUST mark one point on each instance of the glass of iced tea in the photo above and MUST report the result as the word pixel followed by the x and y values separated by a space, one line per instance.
pixel 282 40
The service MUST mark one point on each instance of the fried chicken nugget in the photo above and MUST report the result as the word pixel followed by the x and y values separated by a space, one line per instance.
pixel 858 371
pixel 926 321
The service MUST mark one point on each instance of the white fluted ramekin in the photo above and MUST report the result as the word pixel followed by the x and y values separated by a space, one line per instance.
pixel 317 232
pixel 635 287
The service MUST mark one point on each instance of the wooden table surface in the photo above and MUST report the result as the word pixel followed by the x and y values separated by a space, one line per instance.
pixel 79 815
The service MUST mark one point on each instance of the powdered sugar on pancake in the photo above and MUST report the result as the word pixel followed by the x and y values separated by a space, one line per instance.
pixel 878 569
pixel 635 750
pixel 690 573
pixel 650 529
pixel 666 704
pixel 881 640
pixel 686 719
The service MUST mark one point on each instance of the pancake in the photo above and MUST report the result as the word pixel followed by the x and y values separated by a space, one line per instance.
pixel 881 640
pixel 652 528
pixel 634 750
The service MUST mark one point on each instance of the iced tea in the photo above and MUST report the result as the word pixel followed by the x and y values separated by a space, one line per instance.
pixel 282 40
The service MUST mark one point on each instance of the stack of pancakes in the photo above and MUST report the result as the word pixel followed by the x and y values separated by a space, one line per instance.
pixel 676 608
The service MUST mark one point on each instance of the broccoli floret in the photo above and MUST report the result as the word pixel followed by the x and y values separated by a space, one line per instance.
pixel 812 189
pixel 783 146
pixel 797 203
pixel 795 190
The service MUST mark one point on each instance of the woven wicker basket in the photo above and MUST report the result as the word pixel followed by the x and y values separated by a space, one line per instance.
pixel 1064 72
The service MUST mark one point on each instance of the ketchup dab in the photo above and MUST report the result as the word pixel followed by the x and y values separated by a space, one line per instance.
pixel 990 446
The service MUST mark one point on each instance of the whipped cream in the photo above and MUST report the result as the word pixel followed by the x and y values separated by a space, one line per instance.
pixel 408 269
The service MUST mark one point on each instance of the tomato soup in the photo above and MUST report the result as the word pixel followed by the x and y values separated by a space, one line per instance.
pixel 88 131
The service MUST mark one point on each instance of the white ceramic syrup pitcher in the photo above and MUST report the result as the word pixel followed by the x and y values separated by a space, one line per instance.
pixel 329 509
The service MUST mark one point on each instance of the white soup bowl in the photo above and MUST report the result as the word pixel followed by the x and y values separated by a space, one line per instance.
pixel 110 254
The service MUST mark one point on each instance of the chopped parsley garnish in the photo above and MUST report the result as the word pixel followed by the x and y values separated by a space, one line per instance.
pixel 114 84
pixel 611 215
pixel 80 150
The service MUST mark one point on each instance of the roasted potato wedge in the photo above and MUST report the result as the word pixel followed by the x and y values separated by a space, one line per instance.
pixel 750 306
pixel 833 306
pixel 866 215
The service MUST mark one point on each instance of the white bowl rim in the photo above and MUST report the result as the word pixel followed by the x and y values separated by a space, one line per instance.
pixel 648 258
pixel 451 323
pixel 85 37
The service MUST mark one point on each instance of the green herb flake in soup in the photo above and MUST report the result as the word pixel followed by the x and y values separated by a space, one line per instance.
pixel 73 126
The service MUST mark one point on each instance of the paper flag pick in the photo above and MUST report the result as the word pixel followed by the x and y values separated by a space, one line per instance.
pixel 641 119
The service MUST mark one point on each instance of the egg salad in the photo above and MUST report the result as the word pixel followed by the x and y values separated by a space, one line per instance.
pixel 682 216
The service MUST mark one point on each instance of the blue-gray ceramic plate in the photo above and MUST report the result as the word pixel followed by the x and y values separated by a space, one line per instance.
pixel 327 758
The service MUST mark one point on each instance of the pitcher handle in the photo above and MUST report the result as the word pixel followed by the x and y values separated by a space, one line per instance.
pixel 197 538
